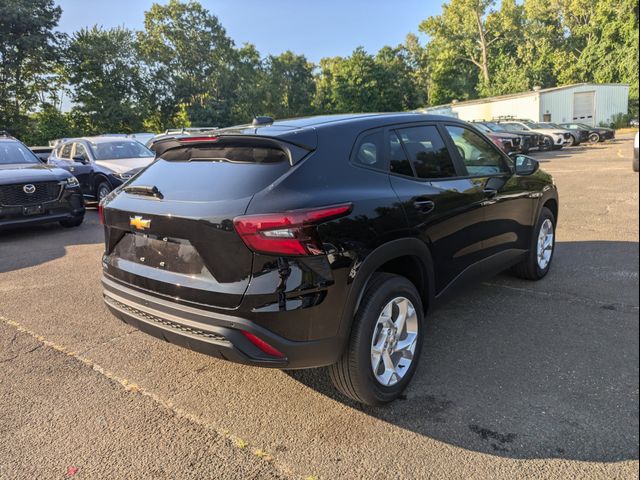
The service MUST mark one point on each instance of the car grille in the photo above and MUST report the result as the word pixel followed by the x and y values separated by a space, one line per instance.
pixel 16 196
pixel 149 318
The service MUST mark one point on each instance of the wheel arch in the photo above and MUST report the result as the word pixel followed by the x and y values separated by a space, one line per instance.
pixel 409 257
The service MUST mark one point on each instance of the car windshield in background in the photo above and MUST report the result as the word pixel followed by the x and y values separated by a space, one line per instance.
pixel 15 153
pixel 120 149
pixel 495 127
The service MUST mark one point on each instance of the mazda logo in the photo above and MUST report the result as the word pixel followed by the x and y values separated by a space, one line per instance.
pixel 29 189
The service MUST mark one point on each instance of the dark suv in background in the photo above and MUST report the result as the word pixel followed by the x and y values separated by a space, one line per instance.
pixel 101 163
pixel 321 241
pixel 34 193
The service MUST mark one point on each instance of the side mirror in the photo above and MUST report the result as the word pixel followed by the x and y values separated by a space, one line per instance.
pixel 525 165
pixel 80 159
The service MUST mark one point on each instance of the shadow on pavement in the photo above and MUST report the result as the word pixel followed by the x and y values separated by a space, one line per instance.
pixel 23 247
pixel 531 370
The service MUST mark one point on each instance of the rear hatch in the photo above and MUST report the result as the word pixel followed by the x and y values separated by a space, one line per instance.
pixel 170 229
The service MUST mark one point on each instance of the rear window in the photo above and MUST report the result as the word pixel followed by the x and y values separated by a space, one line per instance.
pixel 233 154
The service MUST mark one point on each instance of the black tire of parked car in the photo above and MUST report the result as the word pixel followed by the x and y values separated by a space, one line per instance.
pixel 528 268
pixel 72 222
pixel 353 374
pixel 594 137
pixel 102 190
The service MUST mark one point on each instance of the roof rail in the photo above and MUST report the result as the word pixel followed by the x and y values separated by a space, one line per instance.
pixel 4 133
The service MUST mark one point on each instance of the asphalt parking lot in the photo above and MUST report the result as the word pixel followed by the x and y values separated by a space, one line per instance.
pixel 517 379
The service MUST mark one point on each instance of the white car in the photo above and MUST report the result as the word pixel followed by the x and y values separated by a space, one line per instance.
pixel 552 138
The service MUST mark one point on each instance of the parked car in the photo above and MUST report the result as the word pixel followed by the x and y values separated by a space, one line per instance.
pixel 530 140
pixel 635 154
pixel 42 152
pixel 550 138
pixel 101 163
pixel 34 193
pixel 596 134
pixel 321 241
pixel 576 135
pixel 505 141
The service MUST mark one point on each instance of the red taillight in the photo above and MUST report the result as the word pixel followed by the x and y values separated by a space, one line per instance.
pixel 289 233
pixel 100 214
pixel 262 345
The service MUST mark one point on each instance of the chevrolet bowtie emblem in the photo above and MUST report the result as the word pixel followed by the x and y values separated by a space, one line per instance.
pixel 139 222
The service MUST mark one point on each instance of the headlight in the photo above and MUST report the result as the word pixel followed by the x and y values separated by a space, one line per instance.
pixel 123 176
pixel 72 182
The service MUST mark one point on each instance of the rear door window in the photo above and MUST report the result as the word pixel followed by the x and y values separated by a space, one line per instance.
pixel 400 164
pixel 65 151
pixel 427 152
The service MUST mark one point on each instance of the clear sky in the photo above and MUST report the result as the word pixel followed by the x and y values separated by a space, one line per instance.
pixel 315 28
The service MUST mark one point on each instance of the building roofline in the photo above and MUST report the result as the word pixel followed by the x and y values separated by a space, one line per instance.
pixel 521 94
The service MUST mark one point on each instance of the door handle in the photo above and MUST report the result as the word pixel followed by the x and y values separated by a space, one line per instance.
pixel 490 192
pixel 424 206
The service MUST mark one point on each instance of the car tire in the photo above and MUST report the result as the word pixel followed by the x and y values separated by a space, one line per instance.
pixel 572 141
pixel 72 222
pixel 102 190
pixel 354 373
pixel 547 144
pixel 636 167
pixel 537 262
pixel 594 137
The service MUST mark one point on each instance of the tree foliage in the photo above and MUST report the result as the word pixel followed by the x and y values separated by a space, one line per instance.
pixel 29 49
pixel 182 69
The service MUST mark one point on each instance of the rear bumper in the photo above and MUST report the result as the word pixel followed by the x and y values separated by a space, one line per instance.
pixel 212 333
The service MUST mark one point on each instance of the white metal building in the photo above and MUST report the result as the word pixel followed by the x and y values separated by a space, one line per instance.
pixel 583 102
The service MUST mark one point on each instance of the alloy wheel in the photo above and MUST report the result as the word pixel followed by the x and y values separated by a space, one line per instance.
pixel 545 244
pixel 394 341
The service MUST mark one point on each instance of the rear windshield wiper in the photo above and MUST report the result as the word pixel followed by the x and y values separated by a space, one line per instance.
pixel 149 191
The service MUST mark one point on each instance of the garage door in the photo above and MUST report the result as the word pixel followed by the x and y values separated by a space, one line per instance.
pixel 584 107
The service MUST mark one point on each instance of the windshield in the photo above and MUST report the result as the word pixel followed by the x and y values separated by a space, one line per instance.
pixel 119 149
pixel 513 127
pixel 494 127
pixel 15 152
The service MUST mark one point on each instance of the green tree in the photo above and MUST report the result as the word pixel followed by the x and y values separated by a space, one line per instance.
pixel 461 34
pixel 366 83
pixel 190 60
pixel 28 52
pixel 107 82
pixel 290 86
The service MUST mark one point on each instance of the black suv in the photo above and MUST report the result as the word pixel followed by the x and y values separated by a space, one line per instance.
pixel 31 192
pixel 321 241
